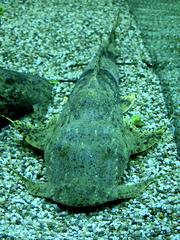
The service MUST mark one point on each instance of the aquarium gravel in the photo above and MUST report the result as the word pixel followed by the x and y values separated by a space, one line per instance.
pixel 55 39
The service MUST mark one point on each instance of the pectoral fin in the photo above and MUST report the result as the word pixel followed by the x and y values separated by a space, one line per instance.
pixel 126 191
pixel 37 188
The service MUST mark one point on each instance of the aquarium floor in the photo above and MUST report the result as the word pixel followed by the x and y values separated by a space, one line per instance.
pixel 47 38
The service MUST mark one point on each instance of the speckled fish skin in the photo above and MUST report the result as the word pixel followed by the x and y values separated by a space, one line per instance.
pixel 90 145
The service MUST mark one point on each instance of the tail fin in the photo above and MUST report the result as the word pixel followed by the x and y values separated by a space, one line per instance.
pixel 112 35
pixel 105 58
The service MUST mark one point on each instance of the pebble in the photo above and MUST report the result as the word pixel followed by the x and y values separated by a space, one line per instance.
pixel 48 37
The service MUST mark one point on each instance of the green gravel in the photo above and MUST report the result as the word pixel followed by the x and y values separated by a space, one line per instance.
pixel 46 37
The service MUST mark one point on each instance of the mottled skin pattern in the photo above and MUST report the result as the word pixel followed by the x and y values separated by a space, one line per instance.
pixel 88 147
pixel 91 147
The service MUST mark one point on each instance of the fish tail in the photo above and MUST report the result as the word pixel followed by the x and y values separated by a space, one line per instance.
pixel 105 58
pixel 108 47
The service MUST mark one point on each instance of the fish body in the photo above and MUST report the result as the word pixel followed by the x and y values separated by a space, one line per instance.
pixel 91 146
pixel 88 147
